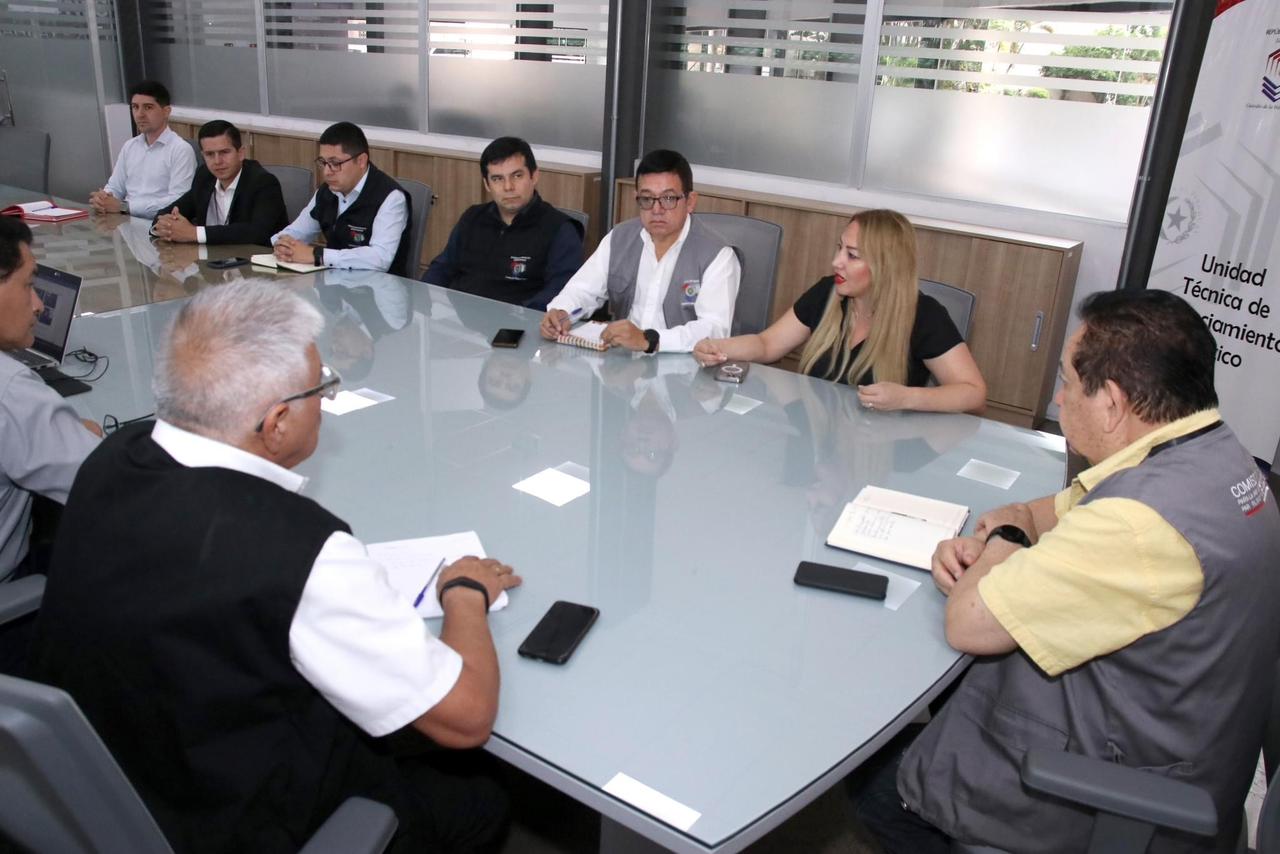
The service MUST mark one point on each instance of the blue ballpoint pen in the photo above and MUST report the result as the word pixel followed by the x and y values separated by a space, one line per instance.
pixel 427 586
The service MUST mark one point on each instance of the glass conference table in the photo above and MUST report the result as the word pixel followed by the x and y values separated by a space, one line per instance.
pixel 734 696
pixel 118 262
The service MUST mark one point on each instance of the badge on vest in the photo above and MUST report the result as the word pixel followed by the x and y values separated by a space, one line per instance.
pixel 358 234
pixel 689 291
pixel 518 266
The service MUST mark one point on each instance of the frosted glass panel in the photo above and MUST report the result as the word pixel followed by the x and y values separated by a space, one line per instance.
pixel 777 126
pixel 1060 156
pixel 547 103
pixel 372 89
pixel 757 85
pixel 204 51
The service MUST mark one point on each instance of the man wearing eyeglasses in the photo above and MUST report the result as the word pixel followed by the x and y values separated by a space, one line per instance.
pixel 362 213
pixel 229 639
pixel 516 248
pixel 669 281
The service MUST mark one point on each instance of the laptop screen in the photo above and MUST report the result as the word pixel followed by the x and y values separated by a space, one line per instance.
pixel 59 291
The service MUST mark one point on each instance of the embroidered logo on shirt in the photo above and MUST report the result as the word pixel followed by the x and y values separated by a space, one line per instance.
pixel 517 266
pixel 689 290
pixel 358 233
pixel 1251 493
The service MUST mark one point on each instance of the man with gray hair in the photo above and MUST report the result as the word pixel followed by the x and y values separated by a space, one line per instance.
pixel 231 641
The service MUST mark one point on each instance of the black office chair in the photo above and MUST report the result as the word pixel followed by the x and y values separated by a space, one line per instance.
pixel 757 243
pixel 297 185
pixel 957 301
pixel 421 199
pixel 64 792
pixel 26 158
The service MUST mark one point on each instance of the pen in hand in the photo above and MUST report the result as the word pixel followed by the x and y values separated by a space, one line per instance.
pixel 430 581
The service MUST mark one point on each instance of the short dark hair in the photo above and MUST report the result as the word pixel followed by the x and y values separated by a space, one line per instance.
pixel 1154 346
pixel 150 89
pixel 347 135
pixel 662 160
pixel 502 148
pixel 218 127
pixel 13 232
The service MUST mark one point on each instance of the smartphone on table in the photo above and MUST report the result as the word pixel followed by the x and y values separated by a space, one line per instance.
pixel 841 580
pixel 559 632
pixel 508 338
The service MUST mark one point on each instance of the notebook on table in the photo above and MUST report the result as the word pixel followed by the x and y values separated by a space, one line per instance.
pixel 266 259
pixel 585 335
pixel 60 291
pixel 43 212
pixel 896 526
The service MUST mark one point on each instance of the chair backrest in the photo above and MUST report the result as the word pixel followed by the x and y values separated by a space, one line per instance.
pixel 25 159
pixel 756 242
pixel 297 185
pixel 582 218
pixel 63 791
pixel 195 146
pixel 420 198
pixel 957 301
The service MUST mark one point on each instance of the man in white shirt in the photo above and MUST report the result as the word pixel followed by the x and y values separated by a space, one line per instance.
pixel 155 167
pixel 669 281
pixel 361 212
pixel 232 643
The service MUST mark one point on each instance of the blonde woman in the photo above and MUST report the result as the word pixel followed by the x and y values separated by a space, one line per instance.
pixel 869 326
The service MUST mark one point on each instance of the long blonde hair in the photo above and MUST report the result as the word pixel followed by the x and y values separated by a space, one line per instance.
pixel 887 242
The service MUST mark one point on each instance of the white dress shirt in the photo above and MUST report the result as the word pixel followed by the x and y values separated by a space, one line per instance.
pixel 148 177
pixel 388 224
pixel 219 205
pixel 588 289
pixel 357 640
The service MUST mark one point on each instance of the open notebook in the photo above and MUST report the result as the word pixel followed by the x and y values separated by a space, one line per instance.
pixel 43 212
pixel 585 335
pixel 896 526
pixel 266 259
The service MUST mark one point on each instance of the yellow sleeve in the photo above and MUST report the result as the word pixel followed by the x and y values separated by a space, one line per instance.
pixel 1108 573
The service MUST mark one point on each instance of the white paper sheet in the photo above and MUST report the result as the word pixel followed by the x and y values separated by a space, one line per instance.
pixel 409 563
pixel 349 401
pixel 554 486
pixel 740 404
pixel 988 473
pixel 652 801
pixel 900 587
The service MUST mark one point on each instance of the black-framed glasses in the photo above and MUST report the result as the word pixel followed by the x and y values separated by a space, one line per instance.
pixel 328 388
pixel 668 202
pixel 333 165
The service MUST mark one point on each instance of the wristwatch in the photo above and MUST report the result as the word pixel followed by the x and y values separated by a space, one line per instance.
pixel 463 581
pixel 1012 533
pixel 317 255
pixel 651 335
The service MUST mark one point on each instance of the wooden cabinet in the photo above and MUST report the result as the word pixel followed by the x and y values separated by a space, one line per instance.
pixel 1023 283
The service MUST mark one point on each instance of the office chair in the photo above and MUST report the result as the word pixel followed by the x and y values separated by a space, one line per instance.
pixel 25 162
pixel 297 185
pixel 756 242
pixel 64 792
pixel 195 146
pixel 582 218
pixel 957 301
pixel 420 199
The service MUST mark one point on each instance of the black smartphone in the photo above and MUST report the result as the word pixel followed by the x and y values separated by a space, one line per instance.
pixel 842 580
pixel 227 263
pixel 559 632
pixel 508 338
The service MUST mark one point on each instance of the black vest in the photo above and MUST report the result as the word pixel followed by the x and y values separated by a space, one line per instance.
pixel 167 618
pixel 355 227
pixel 505 262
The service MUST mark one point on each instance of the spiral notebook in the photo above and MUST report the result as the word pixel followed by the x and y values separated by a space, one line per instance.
pixel 586 335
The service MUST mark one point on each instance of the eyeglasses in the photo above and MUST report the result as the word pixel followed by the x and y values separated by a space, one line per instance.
pixel 333 165
pixel 668 201
pixel 328 389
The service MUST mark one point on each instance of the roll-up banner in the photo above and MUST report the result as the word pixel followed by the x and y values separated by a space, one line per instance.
pixel 1219 245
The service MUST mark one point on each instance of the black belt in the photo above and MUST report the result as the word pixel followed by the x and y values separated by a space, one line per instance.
pixel 1185 437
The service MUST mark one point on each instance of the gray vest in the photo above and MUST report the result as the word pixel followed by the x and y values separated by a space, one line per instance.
pixel 1189 702
pixel 700 248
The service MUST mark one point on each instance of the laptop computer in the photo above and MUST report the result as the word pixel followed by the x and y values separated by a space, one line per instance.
pixel 59 291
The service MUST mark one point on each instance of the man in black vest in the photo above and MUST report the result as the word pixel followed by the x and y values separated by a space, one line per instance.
pixel 230 640
pixel 1130 618
pixel 362 213
pixel 516 248
pixel 231 199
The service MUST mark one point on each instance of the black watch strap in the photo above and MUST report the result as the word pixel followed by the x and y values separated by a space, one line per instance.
pixel 651 335
pixel 317 255
pixel 1012 533
pixel 463 581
